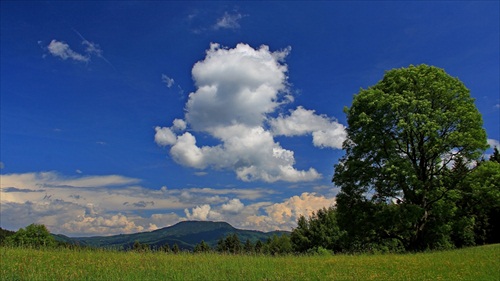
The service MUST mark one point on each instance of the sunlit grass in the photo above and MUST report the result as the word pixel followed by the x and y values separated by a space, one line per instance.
pixel 478 263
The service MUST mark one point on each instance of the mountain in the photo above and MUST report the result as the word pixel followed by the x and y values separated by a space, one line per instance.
pixel 185 234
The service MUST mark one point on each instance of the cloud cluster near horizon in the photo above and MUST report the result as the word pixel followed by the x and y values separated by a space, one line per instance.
pixel 237 92
pixel 113 204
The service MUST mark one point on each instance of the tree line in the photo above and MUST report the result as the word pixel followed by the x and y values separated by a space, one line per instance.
pixel 37 236
pixel 230 244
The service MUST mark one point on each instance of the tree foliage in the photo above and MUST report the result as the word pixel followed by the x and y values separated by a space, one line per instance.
pixel 202 247
pixel 141 247
pixel 230 244
pixel 321 230
pixel 34 235
pixel 495 157
pixel 4 234
pixel 397 187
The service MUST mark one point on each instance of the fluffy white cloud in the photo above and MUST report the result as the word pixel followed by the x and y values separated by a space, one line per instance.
pixel 284 216
pixel 164 136
pixel 104 224
pixel 493 143
pixel 264 216
pixel 326 131
pixel 296 206
pixel 62 50
pixel 202 213
pixel 250 152
pixel 237 90
pixel 235 86
pixel 233 206
pixel 111 204
pixel 179 124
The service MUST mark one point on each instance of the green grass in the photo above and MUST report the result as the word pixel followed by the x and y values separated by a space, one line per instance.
pixel 478 263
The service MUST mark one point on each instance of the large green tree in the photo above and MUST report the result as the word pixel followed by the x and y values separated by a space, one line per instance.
pixel 404 133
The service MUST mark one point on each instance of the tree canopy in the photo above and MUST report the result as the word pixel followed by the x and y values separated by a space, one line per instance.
pixel 34 235
pixel 404 135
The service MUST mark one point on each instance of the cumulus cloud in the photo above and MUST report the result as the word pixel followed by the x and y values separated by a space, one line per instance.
pixel 284 216
pixel 237 90
pixel 118 223
pixel 237 85
pixel 493 143
pixel 63 51
pixel 233 206
pixel 164 136
pixel 264 216
pixel 202 213
pixel 326 132
pixel 113 204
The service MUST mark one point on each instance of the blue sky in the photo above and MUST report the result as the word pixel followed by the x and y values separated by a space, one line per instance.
pixel 119 117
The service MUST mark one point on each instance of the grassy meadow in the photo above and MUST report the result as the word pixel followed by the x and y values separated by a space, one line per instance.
pixel 477 263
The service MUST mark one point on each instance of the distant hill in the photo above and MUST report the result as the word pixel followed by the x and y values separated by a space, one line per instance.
pixel 185 234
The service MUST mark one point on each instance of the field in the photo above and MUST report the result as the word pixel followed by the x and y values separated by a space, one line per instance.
pixel 477 263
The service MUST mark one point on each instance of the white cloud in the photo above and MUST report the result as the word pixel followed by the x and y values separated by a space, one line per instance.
pixel 229 21
pixel 284 216
pixel 493 143
pixel 53 179
pixel 179 125
pixel 118 223
pixel 164 136
pixel 326 131
pixel 237 89
pixel 111 204
pixel 200 213
pixel 264 216
pixel 239 85
pixel 248 194
pixel 92 48
pixel 62 50
pixel 233 206
pixel 167 80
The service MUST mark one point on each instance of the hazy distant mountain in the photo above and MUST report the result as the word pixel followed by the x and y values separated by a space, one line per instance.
pixel 185 234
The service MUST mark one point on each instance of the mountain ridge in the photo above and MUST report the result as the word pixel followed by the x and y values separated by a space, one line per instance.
pixel 186 234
